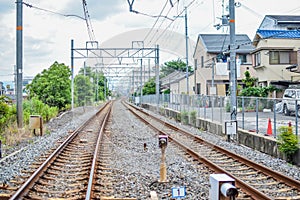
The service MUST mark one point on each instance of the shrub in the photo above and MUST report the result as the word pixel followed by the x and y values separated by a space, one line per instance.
pixel 184 117
pixel 193 117
pixel 287 142
pixel 37 107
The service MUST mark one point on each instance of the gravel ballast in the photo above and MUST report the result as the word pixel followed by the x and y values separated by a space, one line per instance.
pixel 138 168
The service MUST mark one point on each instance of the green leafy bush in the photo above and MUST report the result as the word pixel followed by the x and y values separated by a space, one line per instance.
pixel 184 117
pixel 7 112
pixel 193 117
pixel 287 141
pixel 37 107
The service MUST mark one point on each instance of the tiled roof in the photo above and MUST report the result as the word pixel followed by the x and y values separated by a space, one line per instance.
pixel 216 43
pixel 285 18
pixel 173 77
pixel 289 34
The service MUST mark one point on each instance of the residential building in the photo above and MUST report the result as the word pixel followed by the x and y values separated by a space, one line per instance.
pixel 280 22
pixel 172 82
pixel 212 72
pixel 2 89
pixel 276 58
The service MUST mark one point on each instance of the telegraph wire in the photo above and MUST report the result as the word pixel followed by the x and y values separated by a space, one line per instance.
pixel 160 25
pixel 156 20
pixel 145 14
pixel 50 11
pixel 173 21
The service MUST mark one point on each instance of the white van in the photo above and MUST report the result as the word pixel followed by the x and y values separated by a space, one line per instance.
pixel 290 97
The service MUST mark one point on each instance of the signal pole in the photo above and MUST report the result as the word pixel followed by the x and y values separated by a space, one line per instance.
pixel 19 60
pixel 186 52
pixel 233 81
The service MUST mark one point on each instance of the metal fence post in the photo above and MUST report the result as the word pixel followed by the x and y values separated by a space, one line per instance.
pixel 212 108
pixel 243 112
pixel 221 109
pixel 274 109
pixel 256 115
pixel 0 149
pixel 296 116
pixel 205 107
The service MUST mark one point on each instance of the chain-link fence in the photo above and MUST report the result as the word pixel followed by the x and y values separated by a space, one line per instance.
pixel 258 115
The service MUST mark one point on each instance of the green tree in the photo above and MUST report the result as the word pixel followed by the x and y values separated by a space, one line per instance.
pixel 98 81
pixel 173 65
pixel 149 87
pixel 4 112
pixel 253 91
pixel 83 89
pixel 248 80
pixel 52 86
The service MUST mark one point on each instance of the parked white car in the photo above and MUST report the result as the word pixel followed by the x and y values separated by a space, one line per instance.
pixel 290 97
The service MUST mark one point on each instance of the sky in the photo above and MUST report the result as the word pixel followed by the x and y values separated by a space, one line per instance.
pixel 47 35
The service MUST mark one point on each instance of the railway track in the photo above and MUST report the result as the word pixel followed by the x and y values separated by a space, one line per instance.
pixel 69 172
pixel 253 180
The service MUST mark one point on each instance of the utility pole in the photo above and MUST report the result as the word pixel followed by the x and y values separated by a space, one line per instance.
pixel 233 81
pixel 19 60
pixel 141 83
pixel 157 76
pixel 105 89
pixel 72 74
pixel 186 52
pixel 133 98
pixel 195 77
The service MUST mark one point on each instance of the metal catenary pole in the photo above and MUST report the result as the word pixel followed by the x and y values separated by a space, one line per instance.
pixel 72 74
pixel 157 76
pixel 19 60
pixel 141 83
pixel 233 82
pixel 186 52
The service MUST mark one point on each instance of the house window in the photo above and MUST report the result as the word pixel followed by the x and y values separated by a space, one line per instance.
pixel 243 58
pixel 282 57
pixel 256 61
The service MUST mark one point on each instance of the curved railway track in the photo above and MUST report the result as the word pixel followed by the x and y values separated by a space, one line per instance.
pixel 69 172
pixel 254 181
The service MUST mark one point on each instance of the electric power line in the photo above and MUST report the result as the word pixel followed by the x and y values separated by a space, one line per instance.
pixel 53 12
pixel 174 20
pixel 156 20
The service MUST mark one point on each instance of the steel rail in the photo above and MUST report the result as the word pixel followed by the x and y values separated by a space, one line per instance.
pixel 291 182
pixel 95 157
pixel 23 190
pixel 254 192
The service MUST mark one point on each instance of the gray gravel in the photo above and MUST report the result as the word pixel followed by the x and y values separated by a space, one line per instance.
pixel 138 169
pixel 22 155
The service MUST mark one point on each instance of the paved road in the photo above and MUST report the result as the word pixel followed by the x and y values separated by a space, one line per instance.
pixel 252 121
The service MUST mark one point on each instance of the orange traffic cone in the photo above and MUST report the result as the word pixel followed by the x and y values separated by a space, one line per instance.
pixel 269 131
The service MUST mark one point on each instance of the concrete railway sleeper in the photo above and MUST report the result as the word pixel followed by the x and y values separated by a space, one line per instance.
pixel 69 171
pixel 255 181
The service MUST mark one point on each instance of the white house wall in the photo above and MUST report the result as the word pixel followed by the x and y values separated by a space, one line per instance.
pixel 267 72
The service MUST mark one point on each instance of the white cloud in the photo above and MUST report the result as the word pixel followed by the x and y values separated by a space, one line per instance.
pixel 47 36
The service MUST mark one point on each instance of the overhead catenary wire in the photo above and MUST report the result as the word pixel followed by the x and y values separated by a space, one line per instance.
pixel 86 17
pixel 53 12
pixel 180 13
pixel 156 20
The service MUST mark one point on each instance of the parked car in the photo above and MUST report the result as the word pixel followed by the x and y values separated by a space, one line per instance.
pixel 291 96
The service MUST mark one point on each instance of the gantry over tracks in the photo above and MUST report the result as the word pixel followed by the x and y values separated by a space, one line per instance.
pixel 254 180
pixel 69 172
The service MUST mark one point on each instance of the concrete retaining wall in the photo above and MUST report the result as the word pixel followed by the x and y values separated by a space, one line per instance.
pixel 255 141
